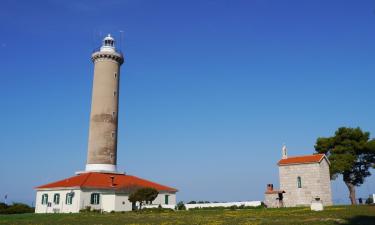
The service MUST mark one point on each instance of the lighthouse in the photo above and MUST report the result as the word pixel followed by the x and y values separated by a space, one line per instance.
pixel 101 187
pixel 102 144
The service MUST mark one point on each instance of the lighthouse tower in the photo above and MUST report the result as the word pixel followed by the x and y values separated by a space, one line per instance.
pixel 102 144
pixel 100 186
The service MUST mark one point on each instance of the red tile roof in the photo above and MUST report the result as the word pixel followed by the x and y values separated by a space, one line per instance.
pixel 104 181
pixel 316 158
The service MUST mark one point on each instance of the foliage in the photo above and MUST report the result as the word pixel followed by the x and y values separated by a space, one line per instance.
pixel 88 209
pixel 180 206
pixel 3 206
pixel 351 154
pixel 157 210
pixel 202 202
pixel 15 208
pixel 369 200
pixel 85 210
pixel 192 202
pixel 362 214
pixel 143 195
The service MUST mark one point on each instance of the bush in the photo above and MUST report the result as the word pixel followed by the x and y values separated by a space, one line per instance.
pixel 85 210
pixel 96 211
pixel 3 206
pixel 159 210
pixel 369 200
pixel 88 209
pixel 16 208
pixel 180 206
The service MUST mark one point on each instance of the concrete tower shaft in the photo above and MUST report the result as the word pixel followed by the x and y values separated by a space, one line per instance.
pixel 102 144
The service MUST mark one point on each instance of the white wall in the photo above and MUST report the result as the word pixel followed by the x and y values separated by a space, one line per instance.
pixel 160 199
pixel 108 201
pixel 223 204
pixel 122 203
pixel 57 208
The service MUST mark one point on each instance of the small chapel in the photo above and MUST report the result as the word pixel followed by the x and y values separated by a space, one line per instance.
pixel 303 180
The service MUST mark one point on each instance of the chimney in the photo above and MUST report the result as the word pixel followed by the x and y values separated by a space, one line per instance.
pixel 112 181
pixel 269 187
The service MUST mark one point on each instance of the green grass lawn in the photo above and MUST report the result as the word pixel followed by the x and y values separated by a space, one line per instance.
pixel 331 215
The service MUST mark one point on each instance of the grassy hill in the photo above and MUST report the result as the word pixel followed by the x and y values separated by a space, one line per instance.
pixel 331 215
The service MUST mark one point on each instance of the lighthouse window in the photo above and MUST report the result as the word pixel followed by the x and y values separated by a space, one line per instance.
pixel 115 75
pixel 56 198
pixel 114 93
pixel 44 199
pixel 113 134
pixel 95 198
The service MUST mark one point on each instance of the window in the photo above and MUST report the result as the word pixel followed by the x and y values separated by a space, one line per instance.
pixel 166 198
pixel 114 93
pixel 113 134
pixel 44 199
pixel 115 75
pixel 95 198
pixel 56 198
pixel 299 182
pixel 69 198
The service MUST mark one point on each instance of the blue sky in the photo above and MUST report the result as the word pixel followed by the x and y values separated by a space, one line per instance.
pixel 209 92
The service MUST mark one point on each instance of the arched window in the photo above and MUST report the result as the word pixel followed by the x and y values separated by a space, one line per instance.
pixel 95 197
pixel 299 182
pixel 69 198
pixel 44 199
pixel 56 198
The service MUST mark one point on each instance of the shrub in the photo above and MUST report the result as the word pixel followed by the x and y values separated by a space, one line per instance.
pixel 159 210
pixel 85 210
pixel 180 206
pixel 369 200
pixel 3 206
pixel 96 211
pixel 16 208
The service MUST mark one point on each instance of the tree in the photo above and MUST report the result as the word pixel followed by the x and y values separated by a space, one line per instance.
pixel 351 153
pixel 143 195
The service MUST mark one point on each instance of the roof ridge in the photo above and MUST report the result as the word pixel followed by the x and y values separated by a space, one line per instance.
pixel 304 155
pixel 86 178
pixel 151 182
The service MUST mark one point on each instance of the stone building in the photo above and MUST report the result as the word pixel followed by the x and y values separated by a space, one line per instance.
pixel 100 186
pixel 303 179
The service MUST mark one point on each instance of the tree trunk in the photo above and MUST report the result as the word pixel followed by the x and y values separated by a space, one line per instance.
pixel 351 188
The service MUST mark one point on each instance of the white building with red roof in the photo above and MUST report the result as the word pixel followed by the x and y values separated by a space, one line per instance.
pixel 303 180
pixel 100 186
pixel 102 191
